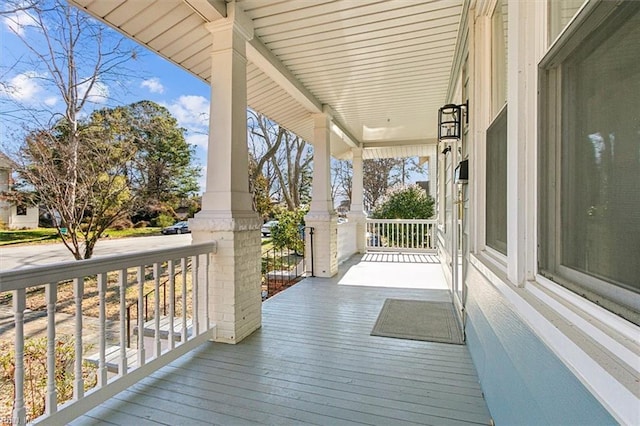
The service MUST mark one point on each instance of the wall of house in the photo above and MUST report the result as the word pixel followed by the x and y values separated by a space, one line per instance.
pixel 522 380
pixel 9 212
pixel 28 221
pixel 544 355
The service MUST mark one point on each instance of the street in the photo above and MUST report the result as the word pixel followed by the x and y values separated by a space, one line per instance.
pixel 15 257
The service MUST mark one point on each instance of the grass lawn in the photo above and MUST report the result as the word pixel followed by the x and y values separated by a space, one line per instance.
pixel 28 236
pixel 49 235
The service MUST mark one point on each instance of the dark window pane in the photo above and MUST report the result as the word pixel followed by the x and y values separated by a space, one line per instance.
pixel 497 183
pixel 600 178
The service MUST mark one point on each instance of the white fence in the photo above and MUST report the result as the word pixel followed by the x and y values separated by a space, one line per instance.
pixel 401 235
pixel 103 286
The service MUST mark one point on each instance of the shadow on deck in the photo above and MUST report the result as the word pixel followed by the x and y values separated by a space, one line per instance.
pixel 314 361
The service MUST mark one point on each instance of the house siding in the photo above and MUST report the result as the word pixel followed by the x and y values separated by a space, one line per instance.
pixel 524 383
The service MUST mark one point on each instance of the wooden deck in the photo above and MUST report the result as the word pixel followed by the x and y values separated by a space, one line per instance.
pixel 314 362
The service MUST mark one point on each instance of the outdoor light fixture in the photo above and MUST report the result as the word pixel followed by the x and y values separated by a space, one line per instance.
pixel 450 121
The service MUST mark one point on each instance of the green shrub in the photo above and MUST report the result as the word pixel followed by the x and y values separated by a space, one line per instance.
pixel 164 220
pixel 410 202
pixel 288 232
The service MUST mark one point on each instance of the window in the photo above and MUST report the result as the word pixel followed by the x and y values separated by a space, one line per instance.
pixel 496 213
pixel 496 137
pixel 21 210
pixel 590 165
pixel 499 49
pixel 560 13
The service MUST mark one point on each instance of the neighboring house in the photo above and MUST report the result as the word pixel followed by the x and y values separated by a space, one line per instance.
pixel 14 216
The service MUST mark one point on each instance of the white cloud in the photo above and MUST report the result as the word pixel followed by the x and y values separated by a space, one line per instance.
pixel 153 84
pixel 51 101
pixel 192 112
pixel 23 87
pixel 18 21
pixel 199 139
pixel 99 92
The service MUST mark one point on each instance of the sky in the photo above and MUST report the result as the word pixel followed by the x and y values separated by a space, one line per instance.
pixel 155 79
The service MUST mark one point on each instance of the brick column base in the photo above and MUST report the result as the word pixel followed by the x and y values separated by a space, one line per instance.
pixel 325 243
pixel 360 219
pixel 235 303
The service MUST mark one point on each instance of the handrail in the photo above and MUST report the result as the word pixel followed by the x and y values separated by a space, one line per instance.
pixel 16 279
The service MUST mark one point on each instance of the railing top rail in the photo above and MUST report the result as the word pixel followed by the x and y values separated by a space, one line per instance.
pixel 16 279
pixel 401 220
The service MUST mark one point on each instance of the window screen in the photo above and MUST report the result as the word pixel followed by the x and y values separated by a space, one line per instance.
pixel 497 183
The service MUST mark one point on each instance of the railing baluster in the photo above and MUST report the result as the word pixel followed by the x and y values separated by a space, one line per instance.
pixel 51 402
pixel 206 292
pixel 195 264
pixel 172 303
pixel 141 315
pixel 157 345
pixel 78 293
pixel 124 332
pixel 183 264
pixel 19 410
pixel 102 319
pixel 164 299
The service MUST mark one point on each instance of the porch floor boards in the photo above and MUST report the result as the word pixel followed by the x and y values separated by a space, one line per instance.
pixel 314 362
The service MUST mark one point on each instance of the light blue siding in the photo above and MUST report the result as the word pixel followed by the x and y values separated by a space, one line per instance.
pixel 524 383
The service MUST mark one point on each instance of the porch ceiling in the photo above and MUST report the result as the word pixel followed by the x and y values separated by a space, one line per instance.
pixel 383 67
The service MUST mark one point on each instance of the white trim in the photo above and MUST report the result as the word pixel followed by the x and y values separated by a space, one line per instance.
pixel 622 326
pixel 614 396
pixel 498 259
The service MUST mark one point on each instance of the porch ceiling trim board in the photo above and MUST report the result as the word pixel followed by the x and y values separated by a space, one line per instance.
pixel 375 63
pixel 264 59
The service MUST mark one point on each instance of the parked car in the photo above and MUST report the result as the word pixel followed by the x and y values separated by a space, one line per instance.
pixel 266 228
pixel 177 228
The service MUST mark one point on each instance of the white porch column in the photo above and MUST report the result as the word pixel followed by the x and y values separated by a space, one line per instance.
pixel 227 216
pixel 357 213
pixel 322 217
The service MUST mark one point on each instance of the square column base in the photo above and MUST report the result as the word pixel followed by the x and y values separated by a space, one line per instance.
pixel 235 300
pixel 360 220
pixel 325 243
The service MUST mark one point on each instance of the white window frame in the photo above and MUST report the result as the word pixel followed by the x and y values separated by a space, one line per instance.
pixel 599 291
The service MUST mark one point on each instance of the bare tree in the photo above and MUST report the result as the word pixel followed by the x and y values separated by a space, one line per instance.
pixel 282 158
pixel 76 58
pixel 265 138
pixel 292 165
pixel 341 179
pixel 11 7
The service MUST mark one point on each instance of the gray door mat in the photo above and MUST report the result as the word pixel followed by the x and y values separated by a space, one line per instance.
pixel 419 320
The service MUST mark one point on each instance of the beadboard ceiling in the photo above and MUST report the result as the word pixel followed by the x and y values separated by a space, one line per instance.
pixel 382 67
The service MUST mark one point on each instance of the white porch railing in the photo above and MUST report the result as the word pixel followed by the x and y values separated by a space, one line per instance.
pixel 401 235
pixel 106 283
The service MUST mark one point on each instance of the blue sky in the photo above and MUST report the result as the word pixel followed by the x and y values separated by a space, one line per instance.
pixel 155 79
